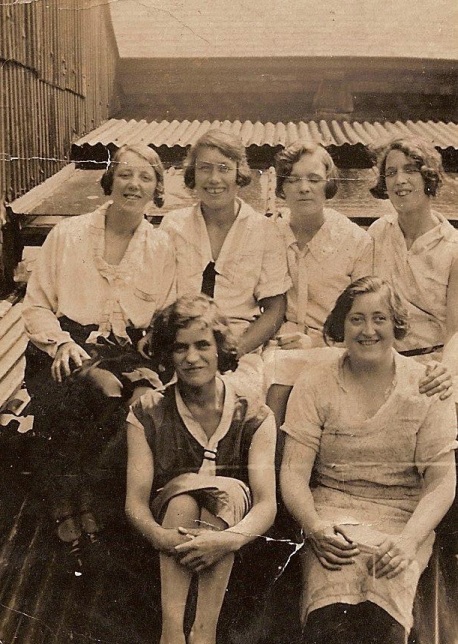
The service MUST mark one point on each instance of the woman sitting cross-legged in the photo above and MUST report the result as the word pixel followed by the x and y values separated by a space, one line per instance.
pixel 383 457
pixel 200 475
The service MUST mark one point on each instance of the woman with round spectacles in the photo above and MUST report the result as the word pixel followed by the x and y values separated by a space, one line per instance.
pixel 224 248
pixel 325 253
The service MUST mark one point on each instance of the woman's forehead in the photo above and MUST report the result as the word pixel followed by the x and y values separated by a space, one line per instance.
pixel 395 157
pixel 370 302
pixel 309 163
pixel 129 158
pixel 195 331
pixel 212 155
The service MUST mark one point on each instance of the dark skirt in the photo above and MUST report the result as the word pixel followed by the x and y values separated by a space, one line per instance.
pixel 79 430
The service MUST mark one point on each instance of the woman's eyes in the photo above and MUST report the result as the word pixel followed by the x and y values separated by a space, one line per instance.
pixel 311 178
pixel 408 169
pixel 376 318
pixel 183 348
pixel 143 177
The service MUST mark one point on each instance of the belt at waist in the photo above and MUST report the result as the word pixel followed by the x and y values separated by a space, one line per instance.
pixel 421 352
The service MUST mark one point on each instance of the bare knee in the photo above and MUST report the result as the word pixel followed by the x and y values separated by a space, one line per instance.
pixel 183 510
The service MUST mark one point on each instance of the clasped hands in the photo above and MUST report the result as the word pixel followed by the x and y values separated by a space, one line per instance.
pixel 334 549
pixel 197 548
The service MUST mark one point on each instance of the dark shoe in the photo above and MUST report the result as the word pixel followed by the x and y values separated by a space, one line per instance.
pixel 69 533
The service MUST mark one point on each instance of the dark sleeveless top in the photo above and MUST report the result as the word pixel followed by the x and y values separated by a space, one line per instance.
pixel 177 452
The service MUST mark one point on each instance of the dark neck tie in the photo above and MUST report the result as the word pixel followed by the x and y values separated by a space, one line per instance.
pixel 208 280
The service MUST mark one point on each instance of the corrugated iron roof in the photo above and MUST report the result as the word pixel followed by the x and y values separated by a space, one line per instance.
pixel 117 132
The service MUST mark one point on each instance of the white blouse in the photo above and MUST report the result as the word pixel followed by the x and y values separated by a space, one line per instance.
pixel 70 278
pixel 250 267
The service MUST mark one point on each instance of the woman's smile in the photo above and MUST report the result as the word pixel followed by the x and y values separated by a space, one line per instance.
pixel 369 328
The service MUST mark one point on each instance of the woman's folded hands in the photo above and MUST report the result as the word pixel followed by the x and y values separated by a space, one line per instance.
pixel 332 546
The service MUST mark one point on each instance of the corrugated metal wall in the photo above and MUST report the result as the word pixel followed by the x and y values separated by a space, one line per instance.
pixel 57 83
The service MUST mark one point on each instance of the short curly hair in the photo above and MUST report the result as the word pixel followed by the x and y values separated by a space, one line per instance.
pixel 179 315
pixel 423 153
pixel 229 145
pixel 286 158
pixel 333 329
pixel 146 153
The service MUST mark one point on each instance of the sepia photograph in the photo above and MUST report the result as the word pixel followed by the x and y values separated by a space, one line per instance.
pixel 228 322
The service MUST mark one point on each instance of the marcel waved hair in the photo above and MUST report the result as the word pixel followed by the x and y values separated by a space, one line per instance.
pixel 146 153
pixel 229 145
pixel 422 153
pixel 179 315
pixel 285 159
pixel 333 329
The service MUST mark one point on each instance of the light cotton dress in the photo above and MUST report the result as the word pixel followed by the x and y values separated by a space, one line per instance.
pixel 369 477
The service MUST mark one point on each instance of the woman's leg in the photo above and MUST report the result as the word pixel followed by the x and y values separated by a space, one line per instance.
pixel 212 586
pixel 183 511
pixel 333 623
pixel 364 623
pixel 376 626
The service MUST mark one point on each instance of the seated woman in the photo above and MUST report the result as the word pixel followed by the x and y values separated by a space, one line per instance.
pixel 325 253
pixel 416 249
pixel 204 453
pixel 98 280
pixel 383 458
pixel 224 248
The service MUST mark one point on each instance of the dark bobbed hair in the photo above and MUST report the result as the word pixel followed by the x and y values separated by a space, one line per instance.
pixel 229 145
pixel 179 315
pixel 286 158
pixel 423 153
pixel 146 153
pixel 333 329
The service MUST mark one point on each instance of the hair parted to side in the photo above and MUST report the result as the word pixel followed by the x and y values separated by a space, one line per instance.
pixel 146 153
pixel 286 158
pixel 333 329
pixel 179 315
pixel 229 145
pixel 423 153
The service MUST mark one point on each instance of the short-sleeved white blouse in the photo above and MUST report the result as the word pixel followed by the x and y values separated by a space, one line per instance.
pixel 251 265
pixel 339 253
pixel 420 275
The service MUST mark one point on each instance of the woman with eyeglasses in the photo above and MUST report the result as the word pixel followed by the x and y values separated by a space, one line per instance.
pixel 224 248
pixel 325 253
pixel 416 249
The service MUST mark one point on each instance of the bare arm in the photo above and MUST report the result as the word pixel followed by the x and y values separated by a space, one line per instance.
pixel 261 471
pixel 265 326
pixel 397 552
pixel 328 540
pixel 450 355
pixel 438 377
pixel 140 476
